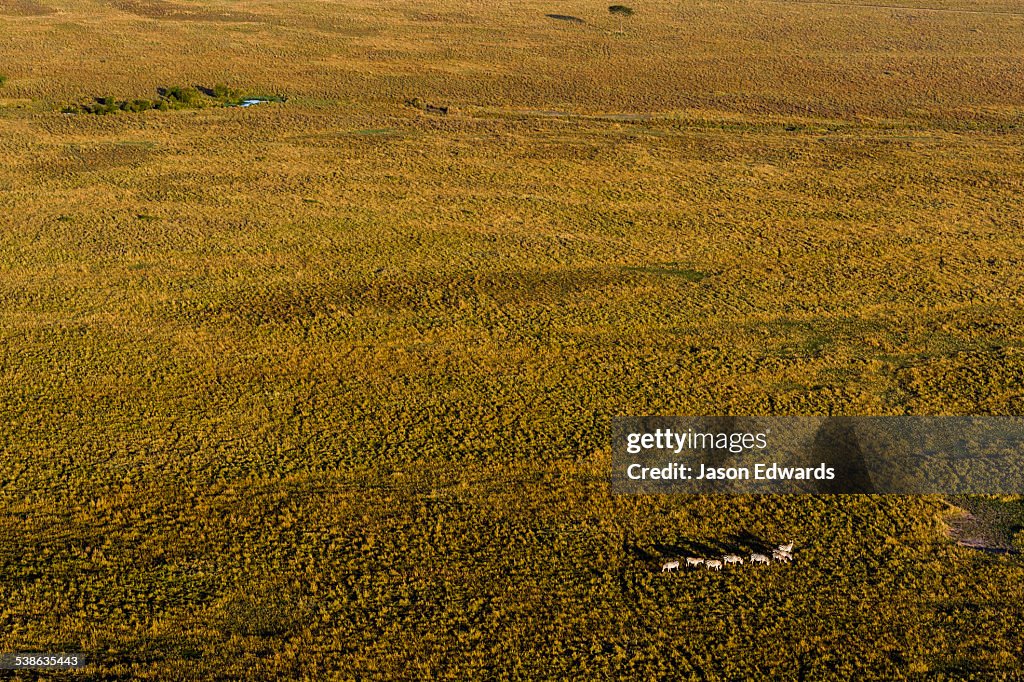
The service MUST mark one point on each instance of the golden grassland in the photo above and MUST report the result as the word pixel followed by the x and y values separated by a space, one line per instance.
pixel 321 389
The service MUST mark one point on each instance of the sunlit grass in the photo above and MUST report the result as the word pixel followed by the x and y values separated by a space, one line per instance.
pixel 324 388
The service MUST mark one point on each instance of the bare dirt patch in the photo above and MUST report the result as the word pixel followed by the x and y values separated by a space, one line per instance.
pixel 979 532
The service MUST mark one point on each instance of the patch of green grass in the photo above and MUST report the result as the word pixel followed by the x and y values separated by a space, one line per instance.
pixel 374 131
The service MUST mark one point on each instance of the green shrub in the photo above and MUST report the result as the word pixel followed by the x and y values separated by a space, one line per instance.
pixel 621 10
pixel 179 96
pixel 173 97
pixel 3 79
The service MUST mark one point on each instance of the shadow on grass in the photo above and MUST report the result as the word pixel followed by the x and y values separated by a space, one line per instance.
pixel 750 543
pixel 670 269
pixel 565 17
pixel 743 543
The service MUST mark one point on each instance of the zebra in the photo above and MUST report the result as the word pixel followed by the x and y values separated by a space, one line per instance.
pixel 670 566
pixel 759 559
pixel 694 562
pixel 713 564
pixel 779 555
pixel 732 559
pixel 788 548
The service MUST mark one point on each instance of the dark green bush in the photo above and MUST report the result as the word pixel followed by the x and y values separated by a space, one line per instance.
pixel 180 96
pixel 621 10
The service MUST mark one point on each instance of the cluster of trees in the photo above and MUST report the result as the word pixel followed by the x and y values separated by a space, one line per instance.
pixel 108 105
pixel 174 97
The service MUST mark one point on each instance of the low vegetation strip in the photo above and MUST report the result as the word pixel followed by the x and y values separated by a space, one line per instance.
pixel 174 97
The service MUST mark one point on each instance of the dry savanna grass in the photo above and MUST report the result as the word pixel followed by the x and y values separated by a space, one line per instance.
pixel 321 389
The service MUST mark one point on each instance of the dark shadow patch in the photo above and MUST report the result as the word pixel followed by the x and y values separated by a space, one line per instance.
pixel 671 270
pixel 24 8
pixel 836 443
pixel 565 17
pixel 639 554
pixel 290 303
pixel 271 609
pixel 687 548
pixel 747 542
pixel 164 10
pixel 282 306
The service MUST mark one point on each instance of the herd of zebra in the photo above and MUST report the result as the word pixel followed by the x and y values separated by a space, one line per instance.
pixel 782 553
